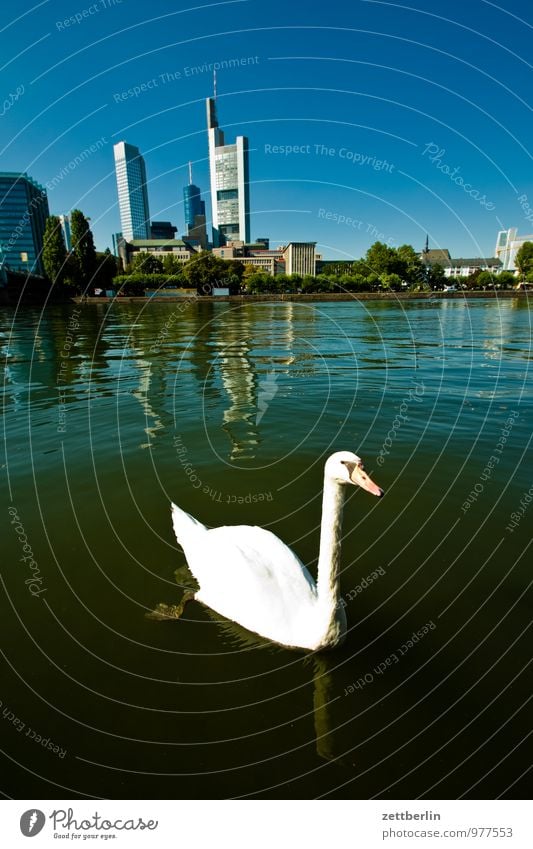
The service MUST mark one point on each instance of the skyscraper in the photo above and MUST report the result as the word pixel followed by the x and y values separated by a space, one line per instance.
pixel 132 193
pixel 230 191
pixel 194 209
pixel 192 201
pixel 23 214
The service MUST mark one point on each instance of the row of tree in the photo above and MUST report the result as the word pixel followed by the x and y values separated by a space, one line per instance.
pixel 82 268
pixel 203 272
pixel 383 268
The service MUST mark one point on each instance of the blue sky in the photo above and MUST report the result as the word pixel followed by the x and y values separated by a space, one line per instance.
pixel 403 119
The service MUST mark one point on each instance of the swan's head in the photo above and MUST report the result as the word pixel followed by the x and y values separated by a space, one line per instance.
pixel 344 467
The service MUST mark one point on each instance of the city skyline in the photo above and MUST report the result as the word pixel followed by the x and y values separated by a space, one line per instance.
pixel 382 139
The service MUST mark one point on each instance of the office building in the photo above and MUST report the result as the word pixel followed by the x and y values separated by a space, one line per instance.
pixel 180 250
pixel 194 209
pixel 230 189
pixel 132 192
pixel 23 214
pixel 508 244
pixel 197 235
pixel 162 230
pixel 193 205
pixel 294 258
pixel 300 258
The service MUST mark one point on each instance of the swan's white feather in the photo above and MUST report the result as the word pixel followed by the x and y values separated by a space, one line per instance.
pixel 249 575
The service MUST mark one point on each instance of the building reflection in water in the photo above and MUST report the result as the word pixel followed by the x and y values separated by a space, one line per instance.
pixel 255 349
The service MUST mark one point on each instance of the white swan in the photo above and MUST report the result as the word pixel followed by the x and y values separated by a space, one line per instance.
pixel 250 576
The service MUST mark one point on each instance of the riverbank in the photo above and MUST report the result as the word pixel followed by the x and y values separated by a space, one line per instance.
pixel 317 296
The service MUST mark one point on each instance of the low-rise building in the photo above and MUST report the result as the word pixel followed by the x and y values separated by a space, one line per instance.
pixel 294 258
pixel 465 267
pixel 161 248
pixel 257 254
pixel 459 267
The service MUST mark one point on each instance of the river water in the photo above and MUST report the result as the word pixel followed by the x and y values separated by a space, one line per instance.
pixel 230 410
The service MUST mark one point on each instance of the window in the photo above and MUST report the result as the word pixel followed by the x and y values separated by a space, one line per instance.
pixel 228 194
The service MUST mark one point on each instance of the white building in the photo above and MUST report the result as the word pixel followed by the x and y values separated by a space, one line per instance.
pixel 466 267
pixel 132 193
pixel 460 267
pixel 230 192
pixel 507 246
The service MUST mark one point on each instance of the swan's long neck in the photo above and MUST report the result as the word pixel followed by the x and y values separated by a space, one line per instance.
pixel 328 588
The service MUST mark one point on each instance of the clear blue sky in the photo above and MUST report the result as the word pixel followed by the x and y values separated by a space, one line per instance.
pixel 376 81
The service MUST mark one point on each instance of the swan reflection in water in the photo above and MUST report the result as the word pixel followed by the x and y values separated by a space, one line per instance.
pixel 323 666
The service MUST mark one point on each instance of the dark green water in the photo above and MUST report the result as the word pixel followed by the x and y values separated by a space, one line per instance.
pixel 230 411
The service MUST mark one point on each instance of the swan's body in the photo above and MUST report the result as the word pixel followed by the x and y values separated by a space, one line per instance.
pixel 250 576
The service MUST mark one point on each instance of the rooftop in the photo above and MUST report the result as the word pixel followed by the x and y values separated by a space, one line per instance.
pixel 158 243
pixel 475 262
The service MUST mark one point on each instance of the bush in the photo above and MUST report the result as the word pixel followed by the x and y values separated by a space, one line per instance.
pixel 135 284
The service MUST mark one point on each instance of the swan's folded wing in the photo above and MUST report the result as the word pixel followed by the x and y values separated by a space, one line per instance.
pixel 250 576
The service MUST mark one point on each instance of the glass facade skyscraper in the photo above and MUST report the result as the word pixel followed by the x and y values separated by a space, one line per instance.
pixel 132 192
pixel 230 189
pixel 193 205
pixel 23 214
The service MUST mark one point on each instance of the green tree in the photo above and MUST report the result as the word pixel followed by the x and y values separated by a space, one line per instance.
pixel 381 259
pixel 54 250
pixel 260 283
pixel 248 271
pixel 436 276
pixel 486 280
pixel 206 272
pixel 472 281
pixel 287 282
pixel 83 250
pixel 507 280
pixel 309 283
pixel 106 269
pixel 323 283
pixel 391 282
pixel 410 267
pixel 524 259
pixel 172 265
pixel 146 262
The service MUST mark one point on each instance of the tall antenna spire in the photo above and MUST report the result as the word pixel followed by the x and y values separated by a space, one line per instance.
pixel 190 173
pixel 215 84
pixel 426 250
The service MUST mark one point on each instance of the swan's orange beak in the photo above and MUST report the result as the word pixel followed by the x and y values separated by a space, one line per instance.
pixel 360 478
